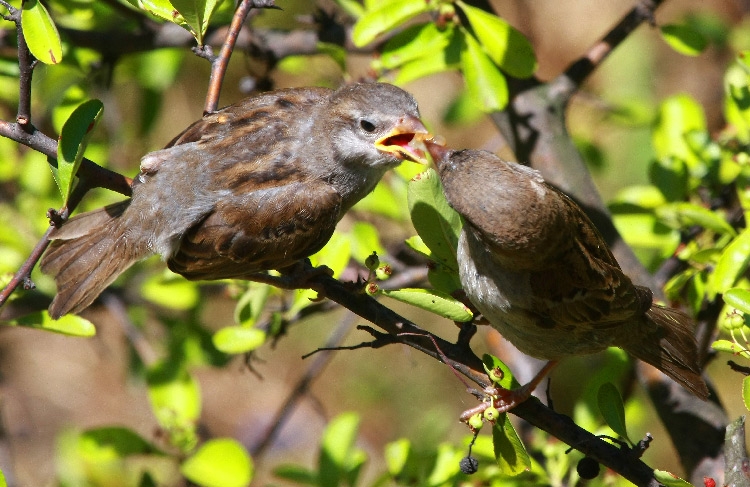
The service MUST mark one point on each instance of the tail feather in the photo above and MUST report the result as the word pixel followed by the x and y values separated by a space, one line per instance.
pixel 671 348
pixel 87 253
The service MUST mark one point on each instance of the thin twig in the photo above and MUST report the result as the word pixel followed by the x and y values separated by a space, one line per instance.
pixel 220 63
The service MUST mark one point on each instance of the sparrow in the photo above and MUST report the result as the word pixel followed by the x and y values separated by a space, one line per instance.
pixel 255 186
pixel 535 266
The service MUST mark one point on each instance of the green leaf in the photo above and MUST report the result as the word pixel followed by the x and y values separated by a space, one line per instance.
pixel 365 240
pixel 432 62
pixel 612 409
pixel 685 215
pixel 171 291
pixel 446 466
pixel 510 453
pixel 74 138
pixel 352 7
pixel 728 347
pixel 221 462
pixel 385 16
pixel 176 401
pixel 72 325
pixel 437 302
pixel 436 222
pixel 162 9
pixel 337 449
pixel 506 46
pixel 732 263
pixel 684 39
pixel 238 339
pixel 670 479
pixel 414 43
pixel 484 81
pixel 122 441
pixel 297 474
pixel 746 392
pixel 197 14
pixel 396 456
pixel 678 115
pixel 251 303
pixel 738 298
pixel 671 176
pixel 496 369
pixel 40 32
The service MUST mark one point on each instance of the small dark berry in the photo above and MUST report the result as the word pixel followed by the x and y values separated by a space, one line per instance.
pixel 588 468
pixel 469 465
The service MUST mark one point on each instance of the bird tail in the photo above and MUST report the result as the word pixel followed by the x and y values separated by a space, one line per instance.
pixel 671 348
pixel 88 252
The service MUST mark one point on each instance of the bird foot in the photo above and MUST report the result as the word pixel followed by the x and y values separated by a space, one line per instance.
pixel 295 276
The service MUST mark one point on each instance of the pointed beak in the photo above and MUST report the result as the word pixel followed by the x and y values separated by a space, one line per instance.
pixel 406 140
pixel 437 149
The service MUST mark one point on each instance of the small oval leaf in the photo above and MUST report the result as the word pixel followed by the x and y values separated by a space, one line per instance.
pixel 238 339
pixel 739 298
pixel 505 45
pixel 670 479
pixel 434 301
pixel 727 346
pixel 484 81
pixel 384 17
pixel 74 137
pixel 732 263
pixel 221 462
pixel 72 325
pixel 40 32
pixel 684 39
pixel 612 409
pixel 510 453
pixel 686 215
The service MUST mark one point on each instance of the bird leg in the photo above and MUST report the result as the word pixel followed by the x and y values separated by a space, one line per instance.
pixel 506 399
pixel 295 276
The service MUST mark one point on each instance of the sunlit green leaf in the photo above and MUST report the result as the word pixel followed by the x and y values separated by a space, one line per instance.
pixel 365 241
pixel 221 462
pixel 678 115
pixel 506 46
pixel 684 39
pixel 670 479
pixel 728 347
pixel 498 372
pixel 685 215
pixel 446 465
pixel 238 339
pixel 72 325
pixel 415 42
pixel 484 81
pixel 40 32
pixel 739 298
pixel 510 453
pixel 385 16
pixel 732 263
pixel 432 300
pixel 197 14
pixel 251 303
pixel 337 448
pixel 171 292
pixel 176 402
pixel 74 138
pixel 612 409
pixel 396 455
pixel 436 222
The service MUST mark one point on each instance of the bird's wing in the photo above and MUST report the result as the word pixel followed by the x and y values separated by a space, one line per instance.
pixel 271 227
pixel 583 283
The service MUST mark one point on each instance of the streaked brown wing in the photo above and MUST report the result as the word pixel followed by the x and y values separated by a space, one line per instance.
pixel 583 283
pixel 267 229
pixel 250 111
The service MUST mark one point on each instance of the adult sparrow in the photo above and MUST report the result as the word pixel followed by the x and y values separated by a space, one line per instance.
pixel 535 266
pixel 258 185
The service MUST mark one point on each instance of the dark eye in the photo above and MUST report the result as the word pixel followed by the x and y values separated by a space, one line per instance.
pixel 367 126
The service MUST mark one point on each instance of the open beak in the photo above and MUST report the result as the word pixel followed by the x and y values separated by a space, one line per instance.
pixel 437 149
pixel 406 140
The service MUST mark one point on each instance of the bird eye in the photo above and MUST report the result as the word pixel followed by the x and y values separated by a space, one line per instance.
pixel 367 126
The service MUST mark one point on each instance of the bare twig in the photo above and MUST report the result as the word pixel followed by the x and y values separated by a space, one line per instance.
pixel 220 63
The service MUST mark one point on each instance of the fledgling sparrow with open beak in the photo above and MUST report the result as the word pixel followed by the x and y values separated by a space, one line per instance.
pixel 258 185
pixel 535 266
